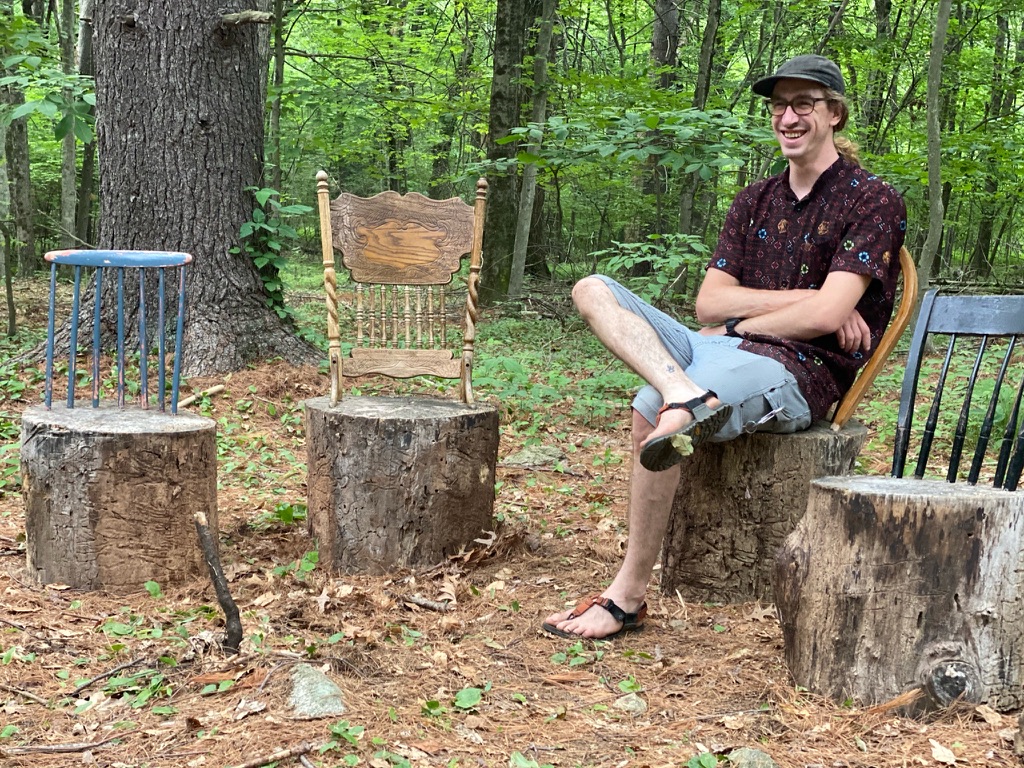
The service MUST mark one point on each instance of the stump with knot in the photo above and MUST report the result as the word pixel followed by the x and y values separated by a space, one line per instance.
pixel 890 586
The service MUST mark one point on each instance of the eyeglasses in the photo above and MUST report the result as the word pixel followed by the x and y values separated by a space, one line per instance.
pixel 802 105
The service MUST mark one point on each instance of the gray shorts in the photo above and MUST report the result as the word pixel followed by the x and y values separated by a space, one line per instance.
pixel 763 393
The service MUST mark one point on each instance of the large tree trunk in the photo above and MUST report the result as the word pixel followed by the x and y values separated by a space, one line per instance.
pixel 180 104
pixel 68 170
pixel 538 115
pixel 935 206
pixel 502 193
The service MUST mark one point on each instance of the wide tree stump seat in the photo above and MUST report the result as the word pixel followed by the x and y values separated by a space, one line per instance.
pixel 889 585
pixel 110 493
pixel 737 502
pixel 398 481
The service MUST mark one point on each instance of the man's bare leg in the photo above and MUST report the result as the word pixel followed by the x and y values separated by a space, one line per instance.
pixel 635 342
pixel 631 339
pixel 650 502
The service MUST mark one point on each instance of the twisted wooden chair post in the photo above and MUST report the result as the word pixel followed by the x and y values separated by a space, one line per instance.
pixel 323 199
pixel 473 291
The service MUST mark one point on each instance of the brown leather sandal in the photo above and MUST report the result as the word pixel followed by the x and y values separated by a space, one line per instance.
pixel 631 622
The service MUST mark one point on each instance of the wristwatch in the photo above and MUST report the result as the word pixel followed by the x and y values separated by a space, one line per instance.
pixel 730 326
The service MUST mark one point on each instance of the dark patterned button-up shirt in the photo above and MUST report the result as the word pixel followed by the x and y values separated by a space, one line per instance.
pixel 851 221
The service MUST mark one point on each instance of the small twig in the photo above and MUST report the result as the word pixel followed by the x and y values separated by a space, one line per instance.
pixel 56 749
pixel 734 713
pixel 232 619
pixel 215 389
pixel 25 694
pixel 105 675
pixel 281 754
pixel 273 669
pixel 12 624
pixel 539 468
pixel 431 605
pixel 305 762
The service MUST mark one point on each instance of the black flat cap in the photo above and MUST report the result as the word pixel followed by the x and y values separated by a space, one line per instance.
pixel 806 67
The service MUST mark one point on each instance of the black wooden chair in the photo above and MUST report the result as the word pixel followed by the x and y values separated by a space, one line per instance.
pixel 983 319
pixel 911 586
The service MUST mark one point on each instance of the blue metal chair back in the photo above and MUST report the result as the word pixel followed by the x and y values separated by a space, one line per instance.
pixel 985 318
pixel 100 261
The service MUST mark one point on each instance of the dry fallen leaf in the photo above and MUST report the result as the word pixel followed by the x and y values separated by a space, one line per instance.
pixel 941 754
pixel 988 714
pixel 322 600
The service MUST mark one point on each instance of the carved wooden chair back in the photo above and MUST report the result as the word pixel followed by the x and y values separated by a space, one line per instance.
pixel 989 409
pixel 409 317
pixel 152 267
pixel 848 404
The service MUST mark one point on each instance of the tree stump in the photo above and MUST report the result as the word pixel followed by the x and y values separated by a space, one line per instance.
pixel 398 481
pixel 887 585
pixel 109 495
pixel 736 503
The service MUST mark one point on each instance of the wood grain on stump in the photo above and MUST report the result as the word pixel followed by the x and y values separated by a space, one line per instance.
pixel 110 493
pixel 736 503
pixel 398 480
pixel 887 585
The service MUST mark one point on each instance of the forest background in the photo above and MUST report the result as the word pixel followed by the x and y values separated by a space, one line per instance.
pixel 613 134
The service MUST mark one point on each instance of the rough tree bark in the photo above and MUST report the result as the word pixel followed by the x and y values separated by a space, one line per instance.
pixel 398 481
pixel 20 181
pixel 102 482
pixel 87 178
pixel 180 105
pixel 68 169
pixel 528 187
pixel 737 502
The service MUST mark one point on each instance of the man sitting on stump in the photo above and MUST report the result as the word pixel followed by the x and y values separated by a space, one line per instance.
pixel 797 295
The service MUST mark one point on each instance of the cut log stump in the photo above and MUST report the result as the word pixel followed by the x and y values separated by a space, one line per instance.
pixel 398 481
pixel 110 494
pixel 736 503
pixel 889 585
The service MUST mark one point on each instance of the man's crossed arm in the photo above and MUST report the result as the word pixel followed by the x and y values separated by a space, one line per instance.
pixel 794 314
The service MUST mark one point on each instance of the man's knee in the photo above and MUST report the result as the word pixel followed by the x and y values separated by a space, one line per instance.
pixel 590 292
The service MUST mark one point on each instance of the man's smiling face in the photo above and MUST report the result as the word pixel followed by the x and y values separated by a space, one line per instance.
pixel 804 139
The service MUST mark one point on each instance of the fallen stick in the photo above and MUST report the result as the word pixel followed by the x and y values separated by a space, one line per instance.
pixel 56 749
pixel 281 754
pixel 105 675
pixel 217 388
pixel 431 605
pixel 25 694
pixel 232 619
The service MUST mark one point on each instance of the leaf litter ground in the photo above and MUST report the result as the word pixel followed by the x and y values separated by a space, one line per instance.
pixel 478 685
